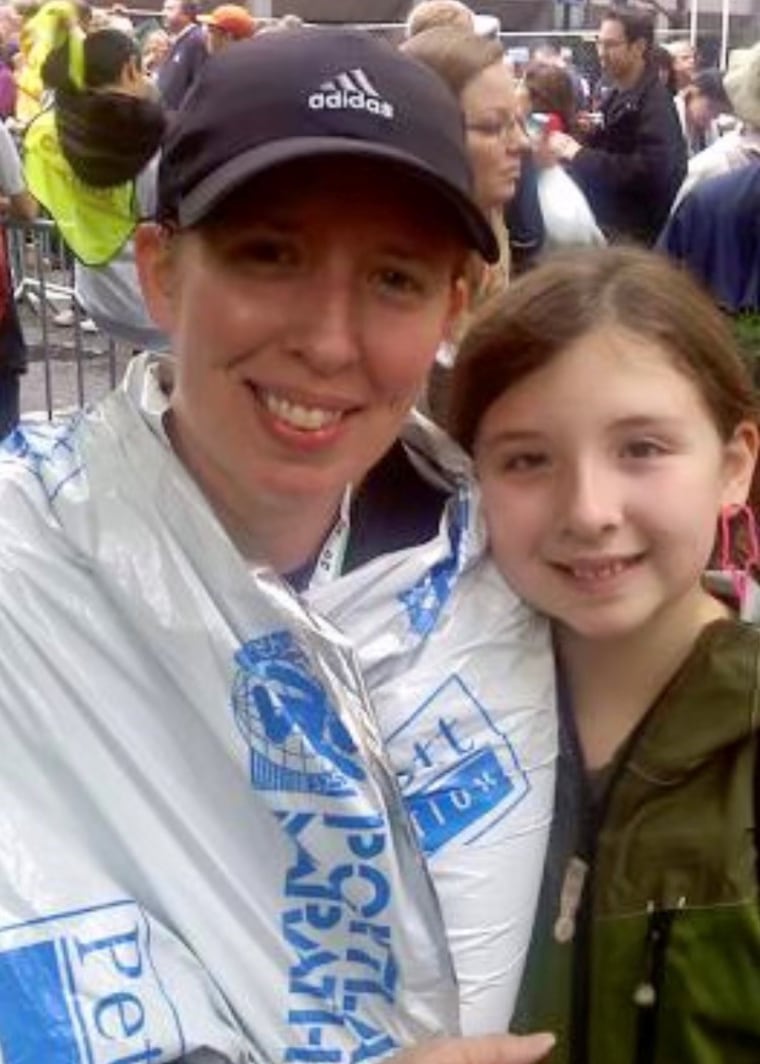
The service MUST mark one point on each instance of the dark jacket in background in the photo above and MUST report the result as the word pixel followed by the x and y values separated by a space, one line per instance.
pixel 716 233
pixel 632 167
pixel 524 220
pixel 181 66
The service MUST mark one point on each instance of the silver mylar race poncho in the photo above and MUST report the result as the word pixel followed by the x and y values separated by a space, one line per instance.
pixel 221 803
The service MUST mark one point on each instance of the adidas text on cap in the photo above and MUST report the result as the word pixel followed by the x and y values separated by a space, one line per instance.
pixel 284 97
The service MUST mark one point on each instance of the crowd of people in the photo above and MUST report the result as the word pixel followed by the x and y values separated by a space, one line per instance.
pixel 380 659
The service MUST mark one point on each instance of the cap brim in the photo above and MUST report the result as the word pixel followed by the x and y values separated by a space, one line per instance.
pixel 226 179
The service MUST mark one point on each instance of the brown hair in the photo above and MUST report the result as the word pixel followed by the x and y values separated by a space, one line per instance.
pixel 637 23
pixel 576 292
pixel 550 89
pixel 439 13
pixel 456 56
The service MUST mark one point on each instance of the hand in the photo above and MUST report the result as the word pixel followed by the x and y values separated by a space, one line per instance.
pixel 487 1049
pixel 586 121
pixel 564 147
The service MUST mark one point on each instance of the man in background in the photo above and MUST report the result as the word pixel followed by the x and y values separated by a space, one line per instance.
pixel 225 25
pixel 684 63
pixel 631 165
pixel 187 53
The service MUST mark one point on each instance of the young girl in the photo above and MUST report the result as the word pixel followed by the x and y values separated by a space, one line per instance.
pixel 614 429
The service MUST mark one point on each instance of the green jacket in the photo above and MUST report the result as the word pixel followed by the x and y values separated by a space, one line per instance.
pixel 660 962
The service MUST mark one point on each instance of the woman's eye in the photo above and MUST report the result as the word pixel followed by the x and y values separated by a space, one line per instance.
pixel 400 281
pixel 262 251
pixel 269 251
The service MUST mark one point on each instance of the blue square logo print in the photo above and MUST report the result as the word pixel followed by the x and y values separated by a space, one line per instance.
pixel 80 988
pixel 460 774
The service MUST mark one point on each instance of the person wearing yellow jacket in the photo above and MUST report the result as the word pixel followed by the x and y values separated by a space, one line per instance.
pixel 88 162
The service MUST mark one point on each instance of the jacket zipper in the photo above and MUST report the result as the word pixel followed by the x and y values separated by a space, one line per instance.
pixel 591 820
pixel 646 996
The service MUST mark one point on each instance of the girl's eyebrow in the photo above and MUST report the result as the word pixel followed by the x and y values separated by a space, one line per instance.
pixel 629 422
pixel 514 436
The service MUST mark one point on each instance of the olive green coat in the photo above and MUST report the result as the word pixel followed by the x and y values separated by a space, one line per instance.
pixel 663 966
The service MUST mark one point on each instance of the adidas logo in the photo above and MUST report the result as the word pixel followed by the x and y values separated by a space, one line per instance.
pixel 350 91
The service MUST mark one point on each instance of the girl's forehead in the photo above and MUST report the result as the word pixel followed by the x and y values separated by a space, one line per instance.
pixel 611 370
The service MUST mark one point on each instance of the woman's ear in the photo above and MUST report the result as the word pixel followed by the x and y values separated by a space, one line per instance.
pixel 155 259
pixel 458 303
pixel 740 459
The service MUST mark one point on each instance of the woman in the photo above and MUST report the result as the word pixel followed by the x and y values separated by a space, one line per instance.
pixel 615 433
pixel 154 50
pixel 88 162
pixel 252 640
pixel 476 71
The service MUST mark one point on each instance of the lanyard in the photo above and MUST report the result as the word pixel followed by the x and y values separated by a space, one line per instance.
pixel 330 561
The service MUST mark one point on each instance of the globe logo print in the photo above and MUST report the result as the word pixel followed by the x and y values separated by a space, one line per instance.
pixel 297 740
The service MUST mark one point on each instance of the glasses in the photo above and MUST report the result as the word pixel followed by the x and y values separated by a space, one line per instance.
pixel 496 128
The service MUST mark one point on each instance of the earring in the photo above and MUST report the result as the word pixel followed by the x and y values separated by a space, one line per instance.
pixel 738 545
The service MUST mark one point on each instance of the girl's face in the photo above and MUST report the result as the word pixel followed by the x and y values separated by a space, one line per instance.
pixel 603 474
pixel 495 137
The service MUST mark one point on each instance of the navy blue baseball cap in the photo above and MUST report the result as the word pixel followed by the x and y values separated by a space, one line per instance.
pixel 301 94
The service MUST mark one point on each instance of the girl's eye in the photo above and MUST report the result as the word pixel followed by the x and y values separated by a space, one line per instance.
pixel 526 462
pixel 644 449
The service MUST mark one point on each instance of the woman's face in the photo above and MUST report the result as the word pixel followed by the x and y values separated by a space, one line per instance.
pixel 495 136
pixel 304 321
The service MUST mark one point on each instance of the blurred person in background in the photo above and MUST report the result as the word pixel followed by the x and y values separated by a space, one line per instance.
pixel 684 62
pixel 90 161
pixel 548 102
pixel 187 52
pixel 119 19
pixel 8 87
pixel 15 202
pixel 738 146
pixel 154 50
pixel 225 25
pixel 698 107
pixel 662 61
pixel 547 53
pixel 475 70
pixel 431 13
pixel 715 233
pixel 631 164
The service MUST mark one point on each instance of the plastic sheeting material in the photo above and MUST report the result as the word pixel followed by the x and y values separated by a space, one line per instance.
pixel 203 848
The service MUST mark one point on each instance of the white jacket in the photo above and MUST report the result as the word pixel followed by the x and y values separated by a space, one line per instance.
pixel 202 848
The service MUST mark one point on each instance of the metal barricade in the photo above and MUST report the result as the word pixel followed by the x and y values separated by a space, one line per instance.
pixel 70 365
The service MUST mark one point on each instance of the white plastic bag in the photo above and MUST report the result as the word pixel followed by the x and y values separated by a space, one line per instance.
pixel 568 219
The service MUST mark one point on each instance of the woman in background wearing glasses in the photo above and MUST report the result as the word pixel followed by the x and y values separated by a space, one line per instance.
pixel 476 71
